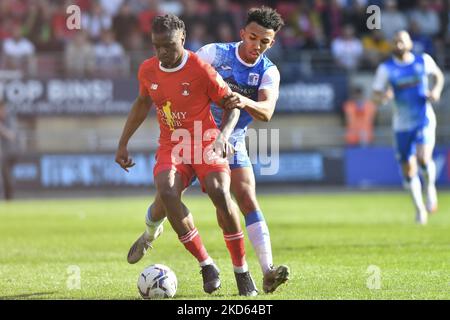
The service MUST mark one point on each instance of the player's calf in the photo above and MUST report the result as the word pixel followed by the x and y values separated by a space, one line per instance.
pixel 226 210
pixel 428 169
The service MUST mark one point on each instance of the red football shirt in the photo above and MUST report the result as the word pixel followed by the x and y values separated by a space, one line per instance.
pixel 182 95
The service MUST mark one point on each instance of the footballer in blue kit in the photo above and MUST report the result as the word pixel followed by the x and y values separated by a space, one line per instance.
pixel 254 80
pixel 243 78
pixel 405 79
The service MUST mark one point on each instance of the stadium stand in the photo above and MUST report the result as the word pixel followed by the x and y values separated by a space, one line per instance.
pixel 78 85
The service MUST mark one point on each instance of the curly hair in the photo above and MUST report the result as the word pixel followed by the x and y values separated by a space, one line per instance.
pixel 168 22
pixel 266 17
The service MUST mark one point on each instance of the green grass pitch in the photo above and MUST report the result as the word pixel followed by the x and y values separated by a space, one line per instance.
pixel 328 240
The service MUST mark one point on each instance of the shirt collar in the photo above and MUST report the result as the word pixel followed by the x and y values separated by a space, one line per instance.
pixel 179 67
pixel 242 61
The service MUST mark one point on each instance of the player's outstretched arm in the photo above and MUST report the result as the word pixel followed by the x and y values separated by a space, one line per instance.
pixel 264 108
pixel 137 115
pixel 260 110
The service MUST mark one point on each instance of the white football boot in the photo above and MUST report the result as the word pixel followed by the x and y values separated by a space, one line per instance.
pixel 421 217
pixel 142 244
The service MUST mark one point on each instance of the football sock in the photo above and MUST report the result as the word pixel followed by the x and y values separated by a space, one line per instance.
pixel 415 187
pixel 259 236
pixel 152 226
pixel 206 262
pixel 429 174
pixel 193 243
pixel 235 245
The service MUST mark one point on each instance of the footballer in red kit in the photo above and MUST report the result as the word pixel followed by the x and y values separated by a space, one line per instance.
pixel 182 88
pixel 182 97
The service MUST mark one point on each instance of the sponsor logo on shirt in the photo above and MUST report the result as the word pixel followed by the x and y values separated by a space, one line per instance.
pixel 173 119
pixel 168 115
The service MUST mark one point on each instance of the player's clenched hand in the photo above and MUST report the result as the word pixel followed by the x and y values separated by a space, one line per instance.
pixel 123 160
pixel 222 147
pixel 233 100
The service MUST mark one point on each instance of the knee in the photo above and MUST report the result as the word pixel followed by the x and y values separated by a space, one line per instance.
pixel 422 161
pixel 168 195
pixel 408 174
pixel 219 195
pixel 410 168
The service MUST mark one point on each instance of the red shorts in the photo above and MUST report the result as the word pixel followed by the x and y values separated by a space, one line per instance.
pixel 187 167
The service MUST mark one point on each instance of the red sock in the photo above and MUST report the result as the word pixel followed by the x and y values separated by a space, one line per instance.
pixel 193 243
pixel 235 245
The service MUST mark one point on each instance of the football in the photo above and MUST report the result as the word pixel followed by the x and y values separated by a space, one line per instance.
pixel 157 281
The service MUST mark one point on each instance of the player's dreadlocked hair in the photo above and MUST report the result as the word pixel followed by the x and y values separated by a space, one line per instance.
pixel 266 17
pixel 168 22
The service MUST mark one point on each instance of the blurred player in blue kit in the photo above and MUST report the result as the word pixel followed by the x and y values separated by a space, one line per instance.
pixel 254 80
pixel 405 79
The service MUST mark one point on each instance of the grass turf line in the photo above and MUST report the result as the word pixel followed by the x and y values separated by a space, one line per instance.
pixel 328 241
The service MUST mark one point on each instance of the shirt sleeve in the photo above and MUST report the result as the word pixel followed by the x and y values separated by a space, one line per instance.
pixel 381 78
pixel 217 88
pixel 271 80
pixel 429 64
pixel 207 53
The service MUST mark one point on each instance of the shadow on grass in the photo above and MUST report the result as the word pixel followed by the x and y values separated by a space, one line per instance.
pixel 27 295
pixel 198 297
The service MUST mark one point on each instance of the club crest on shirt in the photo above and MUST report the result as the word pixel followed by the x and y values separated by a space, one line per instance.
pixel 253 79
pixel 185 89
pixel 154 86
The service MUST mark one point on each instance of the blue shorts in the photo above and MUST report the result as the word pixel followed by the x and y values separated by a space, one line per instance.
pixel 240 157
pixel 406 141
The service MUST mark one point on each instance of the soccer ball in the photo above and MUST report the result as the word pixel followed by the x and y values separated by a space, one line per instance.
pixel 157 282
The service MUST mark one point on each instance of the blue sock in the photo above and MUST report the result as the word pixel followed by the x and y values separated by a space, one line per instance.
pixel 149 221
pixel 258 233
pixel 253 217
